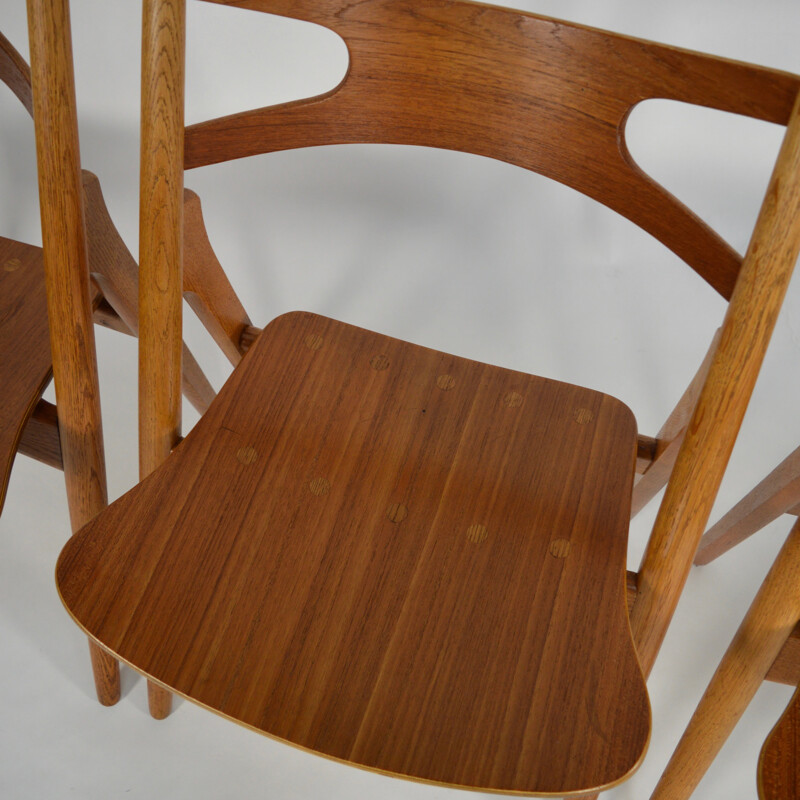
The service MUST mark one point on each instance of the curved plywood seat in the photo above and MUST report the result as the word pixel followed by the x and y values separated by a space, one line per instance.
pixel 398 558
pixel 779 763
pixel 25 363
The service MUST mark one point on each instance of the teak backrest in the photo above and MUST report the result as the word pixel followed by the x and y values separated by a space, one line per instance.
pixel 547 95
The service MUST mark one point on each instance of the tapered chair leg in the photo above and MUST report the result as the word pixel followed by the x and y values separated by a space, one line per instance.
pixel 106 675
pixel 159 701
pixel 66 269
pixel 765 629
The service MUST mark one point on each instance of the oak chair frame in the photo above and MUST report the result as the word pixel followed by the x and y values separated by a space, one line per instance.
pixel 762 275
pixel 113 296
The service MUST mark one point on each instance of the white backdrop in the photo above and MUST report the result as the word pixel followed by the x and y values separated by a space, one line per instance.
pixel 456 252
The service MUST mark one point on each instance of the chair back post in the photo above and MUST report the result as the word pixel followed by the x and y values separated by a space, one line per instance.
pixel 161 230
pixel 161 246
pixel 746 331
pixel 67 283
pixel 65 259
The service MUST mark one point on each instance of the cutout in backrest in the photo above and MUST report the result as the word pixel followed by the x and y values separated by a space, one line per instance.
pixel 549 96
pixel 718 163
pixel 237 61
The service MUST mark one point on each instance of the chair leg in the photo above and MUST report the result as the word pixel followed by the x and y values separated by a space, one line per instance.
pixel 106 675
pixel 159 700
pixel 765 629
pixel 777 494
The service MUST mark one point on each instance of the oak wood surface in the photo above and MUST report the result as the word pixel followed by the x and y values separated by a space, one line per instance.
pixel 779 762
pixel 115 271
pixel 161 245
pixel 768 623
pixel 544 94
pixel 67 281
pixel 161 231
pixel 392 556
pixel 706 448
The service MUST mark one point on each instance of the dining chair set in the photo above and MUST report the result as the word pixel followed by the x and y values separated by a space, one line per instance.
pixel 400 559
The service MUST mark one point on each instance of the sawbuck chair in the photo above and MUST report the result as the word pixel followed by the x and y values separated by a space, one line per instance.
pixel 405 560
pixel 34 427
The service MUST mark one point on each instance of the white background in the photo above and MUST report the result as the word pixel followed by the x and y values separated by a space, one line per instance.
pixel 456 252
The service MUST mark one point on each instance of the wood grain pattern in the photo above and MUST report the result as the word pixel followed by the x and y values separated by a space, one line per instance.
pixel 161 231
pixel 206 286
pixel 24 371
pixel 712 431
pixel 454 630
pixel 779 762
pixel 303 615
pixel 777 494
pixel 161 243
pixel 768 623
pixel 67 281
pixel 115 271
pixel 544 94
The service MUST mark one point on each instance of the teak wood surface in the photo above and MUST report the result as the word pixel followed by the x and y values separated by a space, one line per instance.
pixel 25 363
pixel 540 93
pixel 391 556
pixel 779 762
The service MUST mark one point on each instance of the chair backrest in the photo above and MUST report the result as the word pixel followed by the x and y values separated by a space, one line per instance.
pixel 546 95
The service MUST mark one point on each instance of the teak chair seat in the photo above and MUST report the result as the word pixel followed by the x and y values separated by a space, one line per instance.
pixel 406 560
pixel 355 546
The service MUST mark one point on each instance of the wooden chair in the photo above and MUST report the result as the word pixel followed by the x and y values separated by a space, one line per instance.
pixel 29 424
pixel 405 560
pixel 765 631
